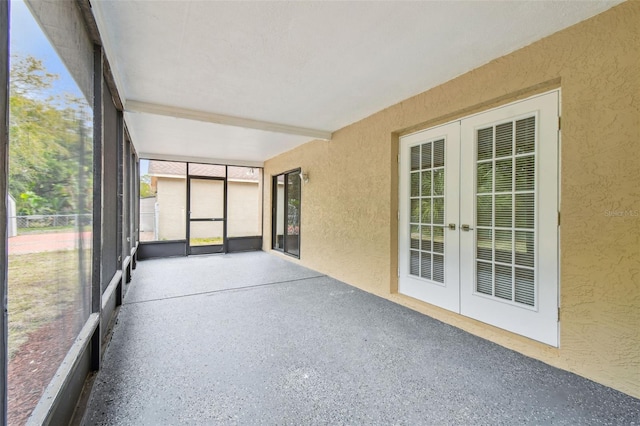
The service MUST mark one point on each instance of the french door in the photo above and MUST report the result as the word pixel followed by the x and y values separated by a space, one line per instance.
pixel 429 248
pixel 478 217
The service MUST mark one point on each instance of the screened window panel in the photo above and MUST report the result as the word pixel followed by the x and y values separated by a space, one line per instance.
pixel 427 203
pixel 505 211
pixel 163 200
pixel 49 176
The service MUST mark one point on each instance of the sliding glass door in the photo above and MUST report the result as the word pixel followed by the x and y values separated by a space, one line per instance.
pixel 286 212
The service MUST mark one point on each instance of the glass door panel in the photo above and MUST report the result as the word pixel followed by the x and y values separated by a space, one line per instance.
pixel 428 245
pixel 509 252
pixel 287 202
pixel 278 190
pixel 293 214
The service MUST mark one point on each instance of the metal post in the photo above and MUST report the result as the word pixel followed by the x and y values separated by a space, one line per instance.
pixel 96 275
pixel 4 145
pixel 120 203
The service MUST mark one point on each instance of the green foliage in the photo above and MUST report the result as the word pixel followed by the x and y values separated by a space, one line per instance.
pixel 145 187
pixel 49 144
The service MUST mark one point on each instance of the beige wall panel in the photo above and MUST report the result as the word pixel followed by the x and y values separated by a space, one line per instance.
pixel 172 200
pixel 244 209
pixel 349 224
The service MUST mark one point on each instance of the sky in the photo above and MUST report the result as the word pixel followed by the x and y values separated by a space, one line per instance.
pixel 28 39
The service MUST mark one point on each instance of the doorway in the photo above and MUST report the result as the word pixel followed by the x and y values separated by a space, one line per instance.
pixel 287 205
pixel 206 217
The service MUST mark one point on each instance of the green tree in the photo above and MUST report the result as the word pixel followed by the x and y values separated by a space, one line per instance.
pixel 46 153
pixel 145 187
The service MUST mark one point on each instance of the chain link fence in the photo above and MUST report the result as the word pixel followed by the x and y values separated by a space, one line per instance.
pixel 52 221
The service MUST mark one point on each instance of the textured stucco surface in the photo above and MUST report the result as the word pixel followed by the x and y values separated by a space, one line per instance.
pixel 349 224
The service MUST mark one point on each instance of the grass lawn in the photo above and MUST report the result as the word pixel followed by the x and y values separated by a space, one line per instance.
pixel 51 229
pixel 41 287
pixel 205 241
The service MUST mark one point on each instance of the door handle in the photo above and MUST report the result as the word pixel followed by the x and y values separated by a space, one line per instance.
pixel 466 228
pixel 452 226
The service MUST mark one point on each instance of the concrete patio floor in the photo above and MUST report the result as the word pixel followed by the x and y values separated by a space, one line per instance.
pixel 251 338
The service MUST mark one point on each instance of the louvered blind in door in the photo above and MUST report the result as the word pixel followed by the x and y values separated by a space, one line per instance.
pixel 505 211
pixel 427 211
pixel 478 231
pixel 428 266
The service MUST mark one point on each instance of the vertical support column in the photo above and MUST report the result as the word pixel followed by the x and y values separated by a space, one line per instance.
pixel 4 155
pixel 119 206
pixel 136 209
pixel 273 220
pixel 4 147
pixel 225 246
pixel 96 276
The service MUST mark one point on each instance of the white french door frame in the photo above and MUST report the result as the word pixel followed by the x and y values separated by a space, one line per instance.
pixel 444 294
pixel 458 294
pixel 540 321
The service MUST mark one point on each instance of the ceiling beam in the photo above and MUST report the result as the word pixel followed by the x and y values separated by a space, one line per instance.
pixel 205 160
pixel 210 117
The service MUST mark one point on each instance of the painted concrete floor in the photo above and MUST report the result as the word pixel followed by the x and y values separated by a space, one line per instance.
pixel 254 339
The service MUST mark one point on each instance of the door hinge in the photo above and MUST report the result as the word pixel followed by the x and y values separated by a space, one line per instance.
pixel 398 215
pixel 558 314
pixel 558 218
pixel 398 158
pixel 559 123
pixel 398 272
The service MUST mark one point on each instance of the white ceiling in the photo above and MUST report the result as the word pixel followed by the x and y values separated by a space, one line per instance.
pixel 296 67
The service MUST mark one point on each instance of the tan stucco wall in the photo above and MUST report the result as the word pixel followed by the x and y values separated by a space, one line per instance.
pixel 349 222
